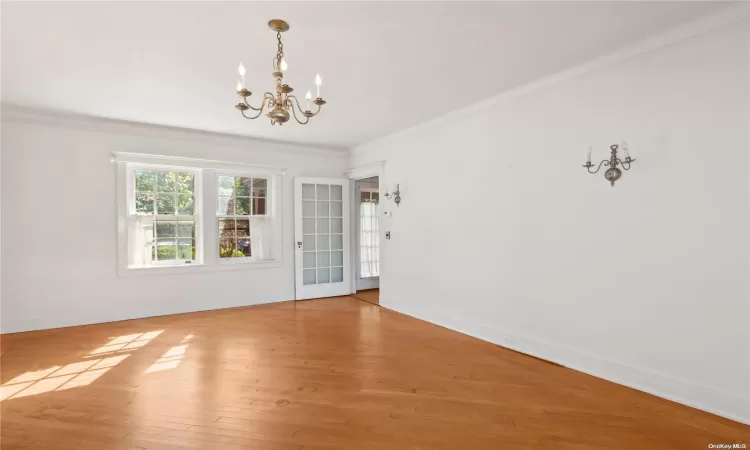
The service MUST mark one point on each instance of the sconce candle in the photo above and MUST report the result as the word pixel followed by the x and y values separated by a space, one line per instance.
pixel 613 173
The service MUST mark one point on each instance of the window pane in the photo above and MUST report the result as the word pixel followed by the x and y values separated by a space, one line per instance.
pixel 243 247
pixel 335 192
pixel 337 242
pixel 165 204
pixel 337 225
pixel 324 259
pixel 308 259
pixel 308 209
pixel 337 274
pixel 308 242
pixel 324 276
pixel 227 247
pixel 186 249
pixel 259 206
pixel 260 187
pixel 144 181
pixel 336 209
pixel 144 203
pixel 242 206
pixel 323 192
pixel 166 228
pixel 185 183
pixel 308 226
pixel 165 181
pixel 226 206
pixel 243 227
pixel 186 229
pixel 364 197
pixel 226 227
pixel 308 276
pixel 323 226
pixel 308 191
pixel 323 209
pixel 185 205
pixel 323 242
pixel 337 258
pixel 375 197
pixel 226 186
pixel 166 249
pixel 242 186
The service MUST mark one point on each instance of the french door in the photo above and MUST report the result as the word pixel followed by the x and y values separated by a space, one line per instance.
pixel 321 245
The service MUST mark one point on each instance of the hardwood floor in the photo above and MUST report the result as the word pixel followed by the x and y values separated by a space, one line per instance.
pixel 369 295
pixel 323 374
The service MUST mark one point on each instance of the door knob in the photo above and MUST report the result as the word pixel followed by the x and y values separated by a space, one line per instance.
pixel 299 244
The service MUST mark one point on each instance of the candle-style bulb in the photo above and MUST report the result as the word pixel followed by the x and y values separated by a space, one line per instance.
pixel 239 86
pixel 283 65
pixel 241 70
pixel 318 82
pixel 308 95
pixel 624 146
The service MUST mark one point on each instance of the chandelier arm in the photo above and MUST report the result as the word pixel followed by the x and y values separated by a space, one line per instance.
pixel 244 99
pixel 300 108
pixel 604 162
pixel 294 110
pixel 260 111
pixel 296 100
pixel 269 96
pixel 623 164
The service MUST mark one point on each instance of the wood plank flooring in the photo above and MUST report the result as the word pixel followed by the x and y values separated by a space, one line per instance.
pixel 323 374
pixel 369 295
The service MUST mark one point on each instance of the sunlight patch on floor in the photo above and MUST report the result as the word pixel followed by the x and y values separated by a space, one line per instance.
pixel 59 378
pixel 81 373
pixel 172 358
pixel 125 343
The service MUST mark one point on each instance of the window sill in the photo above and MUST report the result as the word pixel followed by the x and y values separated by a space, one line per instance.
pixel 197 268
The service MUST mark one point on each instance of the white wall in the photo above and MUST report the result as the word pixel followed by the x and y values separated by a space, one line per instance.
pixel 59 221
pixel 646 283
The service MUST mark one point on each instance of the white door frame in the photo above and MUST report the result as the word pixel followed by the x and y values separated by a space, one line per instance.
pixel 302 291
pixel 359 282
pixel 374 169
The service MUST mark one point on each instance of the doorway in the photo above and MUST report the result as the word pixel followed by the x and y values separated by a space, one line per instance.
pixel 367 239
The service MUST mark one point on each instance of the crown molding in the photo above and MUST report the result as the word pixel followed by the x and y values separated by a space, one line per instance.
pixel 724 17
pixel 25 114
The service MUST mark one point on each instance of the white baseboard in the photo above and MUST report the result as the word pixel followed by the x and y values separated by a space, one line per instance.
pixel 698 396
pixel 20 324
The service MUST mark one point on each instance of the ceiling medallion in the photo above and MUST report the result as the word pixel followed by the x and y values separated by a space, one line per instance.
pixel 277 107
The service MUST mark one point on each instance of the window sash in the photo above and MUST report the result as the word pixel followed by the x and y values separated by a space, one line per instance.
pixel 146 259
pixel 177 238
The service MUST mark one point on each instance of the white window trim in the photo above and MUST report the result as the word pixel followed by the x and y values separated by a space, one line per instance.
pixel 206 197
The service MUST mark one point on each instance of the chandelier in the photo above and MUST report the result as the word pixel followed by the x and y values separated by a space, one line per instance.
pixel 277 107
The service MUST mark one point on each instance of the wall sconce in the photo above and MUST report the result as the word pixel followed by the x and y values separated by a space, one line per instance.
pixel 613 173
pixel 396 195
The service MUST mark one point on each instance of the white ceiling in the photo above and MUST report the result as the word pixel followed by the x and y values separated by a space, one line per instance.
pixel 385 66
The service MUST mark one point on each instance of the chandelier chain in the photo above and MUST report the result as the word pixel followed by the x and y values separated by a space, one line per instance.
pixel 280 51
